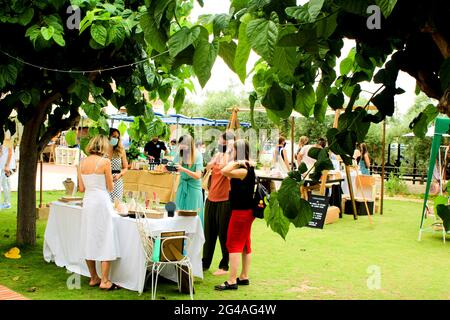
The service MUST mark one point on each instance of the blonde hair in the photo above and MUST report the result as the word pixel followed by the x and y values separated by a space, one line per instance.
pixel 98 145
pixel 189 141
pixel 303 141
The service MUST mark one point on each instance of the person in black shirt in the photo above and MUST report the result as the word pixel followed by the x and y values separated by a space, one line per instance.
pixel 242 174
pixel 153 149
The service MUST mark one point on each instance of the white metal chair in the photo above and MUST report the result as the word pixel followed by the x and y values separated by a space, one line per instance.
pixel 171 247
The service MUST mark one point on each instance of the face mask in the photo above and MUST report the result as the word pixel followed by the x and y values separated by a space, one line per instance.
pixel 222 148
pixel 114 141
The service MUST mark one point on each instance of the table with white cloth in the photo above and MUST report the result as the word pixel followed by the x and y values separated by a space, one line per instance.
pixel 62 238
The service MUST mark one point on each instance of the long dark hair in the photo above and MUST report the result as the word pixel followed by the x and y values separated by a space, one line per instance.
pixel 118 148
pixel 363 149
pixel 241 150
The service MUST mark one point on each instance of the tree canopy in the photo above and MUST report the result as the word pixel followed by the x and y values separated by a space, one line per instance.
pixel 48 70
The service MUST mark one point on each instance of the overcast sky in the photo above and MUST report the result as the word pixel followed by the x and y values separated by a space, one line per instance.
pixel 222 76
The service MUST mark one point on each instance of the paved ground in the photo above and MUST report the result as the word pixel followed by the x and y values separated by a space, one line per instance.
pixel 6 294
pixel 53 177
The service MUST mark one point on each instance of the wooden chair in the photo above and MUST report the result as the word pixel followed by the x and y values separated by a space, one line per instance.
pixel 50 149
pixel 365 190
pixel 332 211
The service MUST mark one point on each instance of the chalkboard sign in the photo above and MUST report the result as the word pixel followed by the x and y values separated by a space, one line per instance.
pixel 319 205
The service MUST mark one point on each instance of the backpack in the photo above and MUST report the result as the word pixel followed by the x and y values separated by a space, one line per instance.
pixel 258 200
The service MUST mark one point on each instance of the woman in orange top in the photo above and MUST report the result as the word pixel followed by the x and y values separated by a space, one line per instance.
pixel 217 206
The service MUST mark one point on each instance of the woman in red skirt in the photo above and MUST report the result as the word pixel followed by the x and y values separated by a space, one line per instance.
pixel 242 175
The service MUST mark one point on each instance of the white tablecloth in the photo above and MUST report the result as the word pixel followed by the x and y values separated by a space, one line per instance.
pixel 61 245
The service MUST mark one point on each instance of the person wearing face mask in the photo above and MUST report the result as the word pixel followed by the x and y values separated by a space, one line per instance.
pixel 119 164
pixel 217 206
pixel 189 164
pixel 280 154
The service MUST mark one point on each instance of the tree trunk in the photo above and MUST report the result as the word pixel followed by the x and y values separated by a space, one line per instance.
pixel 29 154
pixel 26 213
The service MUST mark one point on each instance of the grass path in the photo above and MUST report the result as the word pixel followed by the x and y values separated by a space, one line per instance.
pixel 312 264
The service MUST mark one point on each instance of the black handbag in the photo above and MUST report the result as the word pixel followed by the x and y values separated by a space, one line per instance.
pixel 259 204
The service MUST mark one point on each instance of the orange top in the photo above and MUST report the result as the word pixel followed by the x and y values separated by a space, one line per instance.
pixel 220 186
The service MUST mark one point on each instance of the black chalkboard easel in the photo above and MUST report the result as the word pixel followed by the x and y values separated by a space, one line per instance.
pixel 319 205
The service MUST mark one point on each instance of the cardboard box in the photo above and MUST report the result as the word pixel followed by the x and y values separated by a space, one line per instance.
pixel 42 213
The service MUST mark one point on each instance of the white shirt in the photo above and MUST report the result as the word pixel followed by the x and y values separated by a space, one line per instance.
pixel 4 158
pixel 305 158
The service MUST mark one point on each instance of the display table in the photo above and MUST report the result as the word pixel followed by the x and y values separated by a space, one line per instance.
pixel 62 238
pixel 67 156
pixel 164 185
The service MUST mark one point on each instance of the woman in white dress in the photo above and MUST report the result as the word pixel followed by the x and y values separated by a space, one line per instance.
pixel 97 242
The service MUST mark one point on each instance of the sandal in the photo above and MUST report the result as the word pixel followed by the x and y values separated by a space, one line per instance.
pixel 226 286
pixel 113 287
pixel 244 282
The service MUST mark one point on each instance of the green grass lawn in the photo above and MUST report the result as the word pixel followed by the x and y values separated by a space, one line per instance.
pixel 311 264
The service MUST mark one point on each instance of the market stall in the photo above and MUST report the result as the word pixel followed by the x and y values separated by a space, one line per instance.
pixel 163 185
pixel 62 236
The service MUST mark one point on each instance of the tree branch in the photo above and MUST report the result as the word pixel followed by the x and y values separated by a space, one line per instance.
pixel 63 124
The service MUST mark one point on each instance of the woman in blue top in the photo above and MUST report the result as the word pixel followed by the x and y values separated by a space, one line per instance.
pixel 189 162
pixel 362 158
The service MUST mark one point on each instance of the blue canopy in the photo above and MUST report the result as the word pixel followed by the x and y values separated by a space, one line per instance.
pixel 181 120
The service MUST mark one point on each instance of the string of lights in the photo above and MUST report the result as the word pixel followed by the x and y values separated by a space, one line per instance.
pixel 82 71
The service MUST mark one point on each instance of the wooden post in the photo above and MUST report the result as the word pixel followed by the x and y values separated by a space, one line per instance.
pixel 350 189
pixel 292 142
pixel 383 147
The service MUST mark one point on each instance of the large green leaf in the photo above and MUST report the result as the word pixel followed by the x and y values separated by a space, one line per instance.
pixel 164 91
pixel 220 23
pixel 242 53
pixel 285 60
pixel 305 100
pixel 8 74
pixel 355 121
pixel 204 57
pixel 384 101
pixel 386 6
pixel 71 138
pixel 99 33
pixel 443 212
pixel 300 13
pixel 179 99
pixel 160 9
pixel 444 74
pixel 326 27
pixel 26 17
pixel 420 124
pixel 262 35
pixel 314 8
pixel 91 110
pixel 227 51
pixel 274 216
pixel 294 207
pixel 182 39
pixel 274 98
pixel 47 32
pixel 153 36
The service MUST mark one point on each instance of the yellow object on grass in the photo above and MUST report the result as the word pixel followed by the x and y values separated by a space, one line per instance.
pixel 13 253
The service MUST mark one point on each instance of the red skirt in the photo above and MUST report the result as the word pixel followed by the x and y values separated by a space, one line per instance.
pixel 239 229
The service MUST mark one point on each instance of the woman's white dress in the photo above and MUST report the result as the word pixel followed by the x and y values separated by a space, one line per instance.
pixel 98 240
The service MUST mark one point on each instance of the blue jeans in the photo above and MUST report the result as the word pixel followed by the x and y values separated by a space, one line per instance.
pixel 6 188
